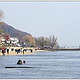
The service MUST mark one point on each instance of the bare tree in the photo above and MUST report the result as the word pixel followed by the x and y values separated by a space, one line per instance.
pixel 1 15
pixel 46 42
pixel 1 31
pixel 29 40
pixel 42 41
pixel 52 41
pixel 36 42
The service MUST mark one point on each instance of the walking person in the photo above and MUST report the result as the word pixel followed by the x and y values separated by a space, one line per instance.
pixel 3 51
pixel 7 51
pixel 23 51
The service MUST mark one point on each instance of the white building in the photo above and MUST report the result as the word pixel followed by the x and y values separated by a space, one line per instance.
pixel 14 40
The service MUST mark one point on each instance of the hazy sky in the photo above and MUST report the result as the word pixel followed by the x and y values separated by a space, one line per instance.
pixel 61 19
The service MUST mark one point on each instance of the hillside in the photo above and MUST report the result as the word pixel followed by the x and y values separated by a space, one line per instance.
pixel 12 31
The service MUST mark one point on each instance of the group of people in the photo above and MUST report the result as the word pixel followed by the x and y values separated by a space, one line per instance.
pixel 21 50
pixel 5 50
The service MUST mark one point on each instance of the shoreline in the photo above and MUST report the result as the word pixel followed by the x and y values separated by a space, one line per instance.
pixel 35 51
pixel 21 53
pixel 12 53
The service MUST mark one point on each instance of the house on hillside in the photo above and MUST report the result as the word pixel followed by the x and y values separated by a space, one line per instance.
pixel 14 41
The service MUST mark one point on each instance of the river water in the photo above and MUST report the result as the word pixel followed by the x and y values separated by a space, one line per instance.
pixel 45 65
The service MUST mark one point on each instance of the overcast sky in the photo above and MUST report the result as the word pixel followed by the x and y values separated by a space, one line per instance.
pixel 61 19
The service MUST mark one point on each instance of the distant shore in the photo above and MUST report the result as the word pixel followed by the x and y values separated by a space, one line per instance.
pixel 68 49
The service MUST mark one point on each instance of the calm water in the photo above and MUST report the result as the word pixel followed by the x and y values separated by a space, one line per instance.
pixel 50 65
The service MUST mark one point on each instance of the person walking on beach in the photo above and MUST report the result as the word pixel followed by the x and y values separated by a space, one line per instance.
pixel 7 51
pixel 3 51
pixel 23 51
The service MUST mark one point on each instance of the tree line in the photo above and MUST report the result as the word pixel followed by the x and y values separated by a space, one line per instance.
pixel 42 42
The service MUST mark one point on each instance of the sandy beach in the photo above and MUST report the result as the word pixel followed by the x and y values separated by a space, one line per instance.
pixel 21 53
pixel 15 53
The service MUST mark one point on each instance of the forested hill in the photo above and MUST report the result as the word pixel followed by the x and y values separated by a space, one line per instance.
pixel 12 31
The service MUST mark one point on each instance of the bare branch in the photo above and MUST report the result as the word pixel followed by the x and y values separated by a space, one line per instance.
pixel 1 15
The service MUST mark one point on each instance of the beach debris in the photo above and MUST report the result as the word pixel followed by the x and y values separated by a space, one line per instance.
pixel 19 62
pixel 20 67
